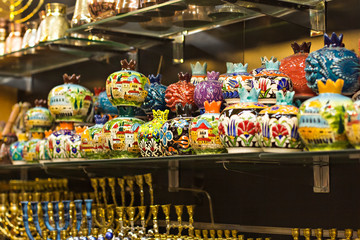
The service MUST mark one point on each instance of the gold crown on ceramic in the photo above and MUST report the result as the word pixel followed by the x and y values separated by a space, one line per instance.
pixel 79 130
pixel 330 86
pixel 48 133
pixel 161 115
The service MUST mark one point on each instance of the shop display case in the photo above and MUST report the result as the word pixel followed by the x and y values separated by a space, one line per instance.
pixel 259 194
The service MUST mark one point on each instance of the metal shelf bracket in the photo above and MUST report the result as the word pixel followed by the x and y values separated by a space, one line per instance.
pixel 321 174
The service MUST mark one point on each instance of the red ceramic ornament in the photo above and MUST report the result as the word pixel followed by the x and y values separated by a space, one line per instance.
pixel 294 67
pixel 180 92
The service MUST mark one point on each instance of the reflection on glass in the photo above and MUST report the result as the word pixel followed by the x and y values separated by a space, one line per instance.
pixel 194 16
pixel 100 9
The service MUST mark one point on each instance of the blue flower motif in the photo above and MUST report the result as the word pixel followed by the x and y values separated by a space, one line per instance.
pixel 294 133
pixel 275 108
pixel 283 84
pixel 231 128
pixel 74 150
pixel 181 123
pixel 165 135
pixel 265 130
pixel 57 142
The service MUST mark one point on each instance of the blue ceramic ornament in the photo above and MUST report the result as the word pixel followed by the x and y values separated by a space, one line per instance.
pixel 155 99
pixel 104 106
pixel 334 62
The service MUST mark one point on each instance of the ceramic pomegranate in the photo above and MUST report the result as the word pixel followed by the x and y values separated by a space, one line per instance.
pixel 180 92
pixel 155 99
pixel 208 90
pixel 294 67
pixel 334 62
pixel 198 72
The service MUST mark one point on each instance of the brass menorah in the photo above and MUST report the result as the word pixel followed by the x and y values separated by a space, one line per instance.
pixel 17 8
pixel 179 225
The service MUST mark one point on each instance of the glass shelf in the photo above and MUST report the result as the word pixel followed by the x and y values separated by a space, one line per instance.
pixel 294 158
pixel 58 53
pixel 160 21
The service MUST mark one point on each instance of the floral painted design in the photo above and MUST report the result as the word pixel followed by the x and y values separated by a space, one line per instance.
pixel 283 85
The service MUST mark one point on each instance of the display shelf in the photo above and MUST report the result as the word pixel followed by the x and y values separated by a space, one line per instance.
pixel 146 21
pixel 295 158
pixel 57 53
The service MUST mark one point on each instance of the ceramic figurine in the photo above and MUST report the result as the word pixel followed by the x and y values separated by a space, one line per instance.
pixel 56 144
pixel 294 67
pixel 41 152
pixel 263 60
pixel 155 99
pixel 71 102
pixel 104 106
pixel 149 135
pixel 198 72
pixel 73 145
pixel 239 79
pixel 127 87
pixel 30 155
pixel 239 129
pixel 17 149
pixel 271 80
pixel 38 119
pixel 333 61
pixel 321 118
pixel 204 134
pixel 121 134
pixel 180 92
pixel 279 125
pixel 208 90
pixel 91 145
pixel 352 123
pixel 174 133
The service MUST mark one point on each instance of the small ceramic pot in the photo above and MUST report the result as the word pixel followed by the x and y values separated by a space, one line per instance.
pixel 73 145
pixel 56 144
pixel 174 133
pixel 204 134
pixel 198 72
pixel 180 92
pixel 333 61
pixel 149 135
pixel 279 125
pixel 271 80
pixel 240 78
pixel 30 155
pixel 41 151
pixel 239 129
pixel 155 99
pixel 121 134
pixel 71 102
pixel 258 70
pixel 17 150
pixel 91 145
pixel 321 118
pixel 352 124
pixel 127 87
pixel 294 67
pixel 208 90
pixel 38 119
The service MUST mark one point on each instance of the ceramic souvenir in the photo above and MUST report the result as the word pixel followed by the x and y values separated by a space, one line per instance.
pixel 174 133
pixel 38 119
pixel 204 134
pixel 294 67
pixel 333 61
pixel 104 106
pixel 17 149
pixel 127 87
pixel 208 90
pixel 41 152
pixel 56 144
pixel 229 71
pixel 240 78
pixel 71 102
pixel 121 134
pixel 271 80
pixel 91 145
pixel 279 125
pixel 352 123
pixel 155 99
pixel 198 72
pixel 97 91
pixel 149 135
pixel 321 118
pixel 180 92
pixel 239 129
pixel 30 155
pixel 263 60
pixel 73 145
